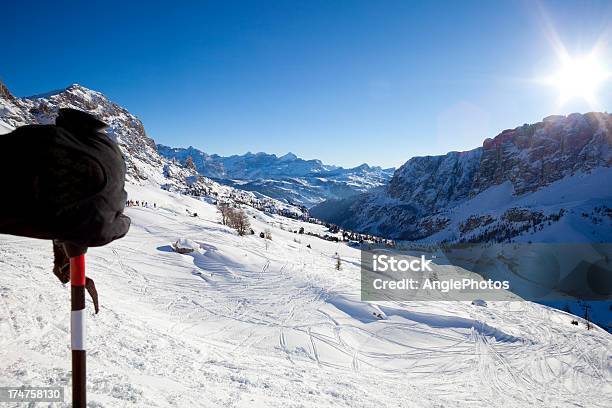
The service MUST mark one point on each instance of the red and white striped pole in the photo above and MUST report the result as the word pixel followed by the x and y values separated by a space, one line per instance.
pixel 77 330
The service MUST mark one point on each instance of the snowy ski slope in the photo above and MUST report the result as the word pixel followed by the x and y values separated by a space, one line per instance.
pixel 245 323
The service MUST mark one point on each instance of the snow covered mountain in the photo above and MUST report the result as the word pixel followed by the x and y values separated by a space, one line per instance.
pixel 288 178
pixel 545 182
pixel 145 166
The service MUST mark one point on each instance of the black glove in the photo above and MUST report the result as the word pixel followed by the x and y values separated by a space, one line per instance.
pixel 65 182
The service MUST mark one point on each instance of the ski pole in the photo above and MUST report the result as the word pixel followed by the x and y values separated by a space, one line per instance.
pixel 77 330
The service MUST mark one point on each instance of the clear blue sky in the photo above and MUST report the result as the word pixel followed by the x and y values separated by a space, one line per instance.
pixel 343 81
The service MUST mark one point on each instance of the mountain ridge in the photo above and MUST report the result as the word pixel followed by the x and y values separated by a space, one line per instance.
pixel 288 177
pixel 421 199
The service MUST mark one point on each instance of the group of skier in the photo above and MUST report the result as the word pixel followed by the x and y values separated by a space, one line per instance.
pixel 139 203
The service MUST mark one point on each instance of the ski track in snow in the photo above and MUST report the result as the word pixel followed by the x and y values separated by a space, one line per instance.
pixel 242 323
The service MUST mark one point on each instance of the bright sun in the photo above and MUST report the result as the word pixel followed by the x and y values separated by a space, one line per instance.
pixel 579 78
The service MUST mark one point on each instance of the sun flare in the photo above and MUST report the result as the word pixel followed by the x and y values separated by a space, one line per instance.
pixel 579 78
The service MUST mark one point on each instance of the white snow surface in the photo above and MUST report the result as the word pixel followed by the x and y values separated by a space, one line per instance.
pixel 576 194
pixel 248 322
pixel 4 128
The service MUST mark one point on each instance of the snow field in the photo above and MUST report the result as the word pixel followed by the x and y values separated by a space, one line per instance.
pixel 242 322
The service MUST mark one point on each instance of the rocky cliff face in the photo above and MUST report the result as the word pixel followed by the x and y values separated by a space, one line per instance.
pixel 144 163
pixel 421 199
pixel 533 156
pixel 530 157
pixel 434 182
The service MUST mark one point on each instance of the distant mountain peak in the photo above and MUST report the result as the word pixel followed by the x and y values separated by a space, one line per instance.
pixel 288 157
pixel 69 89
